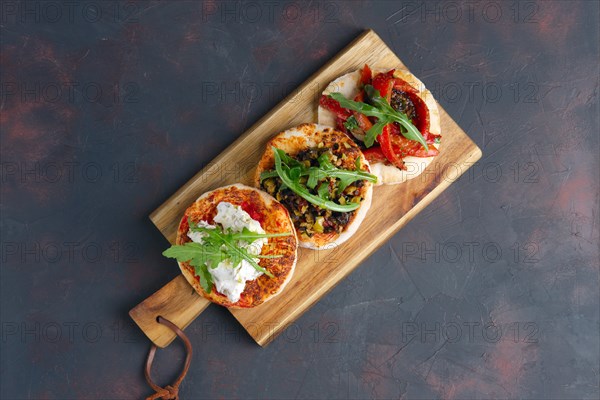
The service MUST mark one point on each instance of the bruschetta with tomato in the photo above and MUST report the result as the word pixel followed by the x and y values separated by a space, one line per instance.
pixel 391 114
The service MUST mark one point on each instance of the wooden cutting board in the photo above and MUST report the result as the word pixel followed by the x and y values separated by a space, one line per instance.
pixel 317 272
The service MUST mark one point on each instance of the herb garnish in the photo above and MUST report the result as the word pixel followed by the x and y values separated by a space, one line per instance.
pixel 217 246
pixel 290 170
pixel 351 123
pixel 384 113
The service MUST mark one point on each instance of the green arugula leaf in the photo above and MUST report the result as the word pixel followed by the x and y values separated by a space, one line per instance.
pixel 375 131
pixel 411 132
pixel 283 171
pixel 315 174
pixel 196 254
pixel 344 183
pixel 325 162
pixel 379 101
pixel 206 280
pixel 313 178
pixel 216 247
pixel 216 237
pixel 290 162
pixel 323 190
pixel 295 172
pixel 185 252
pixel 199 257
pixel 384 113
pixel 267 174
pixel 351 124
pixel 362 108
pixel 248 236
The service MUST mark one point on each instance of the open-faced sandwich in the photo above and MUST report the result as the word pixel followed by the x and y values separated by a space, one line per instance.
pixel 320 175
pixel 236 246
pixel 391 114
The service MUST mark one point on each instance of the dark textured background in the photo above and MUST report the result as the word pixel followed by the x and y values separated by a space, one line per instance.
pixel 107 108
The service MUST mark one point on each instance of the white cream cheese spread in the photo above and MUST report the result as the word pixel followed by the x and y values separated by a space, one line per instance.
pixel 230 279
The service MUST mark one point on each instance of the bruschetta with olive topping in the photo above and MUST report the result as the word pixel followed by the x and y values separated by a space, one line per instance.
pixel 236 246
pixel 391 114
pixel 320 175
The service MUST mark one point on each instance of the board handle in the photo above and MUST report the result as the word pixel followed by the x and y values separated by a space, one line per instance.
pixel 177 301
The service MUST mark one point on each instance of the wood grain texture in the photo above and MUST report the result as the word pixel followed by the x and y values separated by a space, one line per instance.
pixel 177 301
pixel 317 272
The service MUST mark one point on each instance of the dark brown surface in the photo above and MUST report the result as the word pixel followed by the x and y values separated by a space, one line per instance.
pixel 144 102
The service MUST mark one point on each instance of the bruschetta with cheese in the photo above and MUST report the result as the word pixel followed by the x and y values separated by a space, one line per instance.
pixel 236 246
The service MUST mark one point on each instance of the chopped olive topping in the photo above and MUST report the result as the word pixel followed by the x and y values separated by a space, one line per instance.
pixel 309 218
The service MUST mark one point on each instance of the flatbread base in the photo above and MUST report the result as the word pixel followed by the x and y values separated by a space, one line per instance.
pixel 273 218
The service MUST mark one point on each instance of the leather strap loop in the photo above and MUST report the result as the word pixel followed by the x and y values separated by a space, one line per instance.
pixel 169 392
